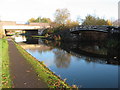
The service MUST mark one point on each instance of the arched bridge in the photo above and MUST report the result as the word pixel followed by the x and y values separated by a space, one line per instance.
pixel 95 33
pixel 96 28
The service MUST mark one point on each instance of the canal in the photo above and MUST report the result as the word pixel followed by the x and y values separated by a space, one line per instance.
pixel 87 65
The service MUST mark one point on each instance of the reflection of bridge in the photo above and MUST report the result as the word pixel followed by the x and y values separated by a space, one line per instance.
pixel 93 57
pixel 92 52
pixel 9 26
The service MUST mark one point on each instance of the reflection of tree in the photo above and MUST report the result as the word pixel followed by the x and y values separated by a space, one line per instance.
pixel 98 52
pixel 51 43
pixel 62 59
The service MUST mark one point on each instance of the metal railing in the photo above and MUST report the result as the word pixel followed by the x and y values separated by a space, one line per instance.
pixel 103 28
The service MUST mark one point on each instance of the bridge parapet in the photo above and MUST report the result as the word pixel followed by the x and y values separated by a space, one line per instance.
pixel 13 25
pixel 21 27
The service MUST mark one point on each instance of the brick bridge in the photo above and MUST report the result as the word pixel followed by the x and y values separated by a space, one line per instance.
pixel 9 26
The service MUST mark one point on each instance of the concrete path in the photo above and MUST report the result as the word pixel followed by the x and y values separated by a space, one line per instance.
pixel 22 73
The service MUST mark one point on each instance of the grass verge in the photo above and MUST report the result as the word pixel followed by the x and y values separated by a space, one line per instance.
pixel 0 64
pixel 39 36
pixel 52 80
pixel 5 70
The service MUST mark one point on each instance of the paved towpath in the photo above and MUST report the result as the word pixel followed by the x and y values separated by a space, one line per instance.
pixel 22 73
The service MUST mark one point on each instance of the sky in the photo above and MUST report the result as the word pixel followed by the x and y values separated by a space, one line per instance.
pixel 22 10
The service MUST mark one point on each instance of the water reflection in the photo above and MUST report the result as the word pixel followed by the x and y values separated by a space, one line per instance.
pixel 62 58
pixel 35 47
pixel 100 52
pixel 92 52
pixel 88 64
pixel 19 38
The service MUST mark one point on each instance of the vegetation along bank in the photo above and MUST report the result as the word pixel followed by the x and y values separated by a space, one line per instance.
pixel 5 70
pixel 52 80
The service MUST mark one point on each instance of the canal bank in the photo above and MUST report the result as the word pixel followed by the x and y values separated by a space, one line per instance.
pixel 27 72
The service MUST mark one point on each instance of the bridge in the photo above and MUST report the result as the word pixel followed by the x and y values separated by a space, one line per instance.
pixel 95 33
pixel 10 26
pixel 96 28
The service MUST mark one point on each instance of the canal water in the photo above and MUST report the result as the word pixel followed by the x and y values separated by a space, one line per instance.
pixel 86 65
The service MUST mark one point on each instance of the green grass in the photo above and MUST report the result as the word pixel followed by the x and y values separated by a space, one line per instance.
pixel 52 80
pixel 10 34
pixel 39 36
pixel 0 63
pixel 5 73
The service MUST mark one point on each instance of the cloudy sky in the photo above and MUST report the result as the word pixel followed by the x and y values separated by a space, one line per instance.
pixel 22 10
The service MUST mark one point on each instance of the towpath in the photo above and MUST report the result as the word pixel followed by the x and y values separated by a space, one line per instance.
pixel 22 73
